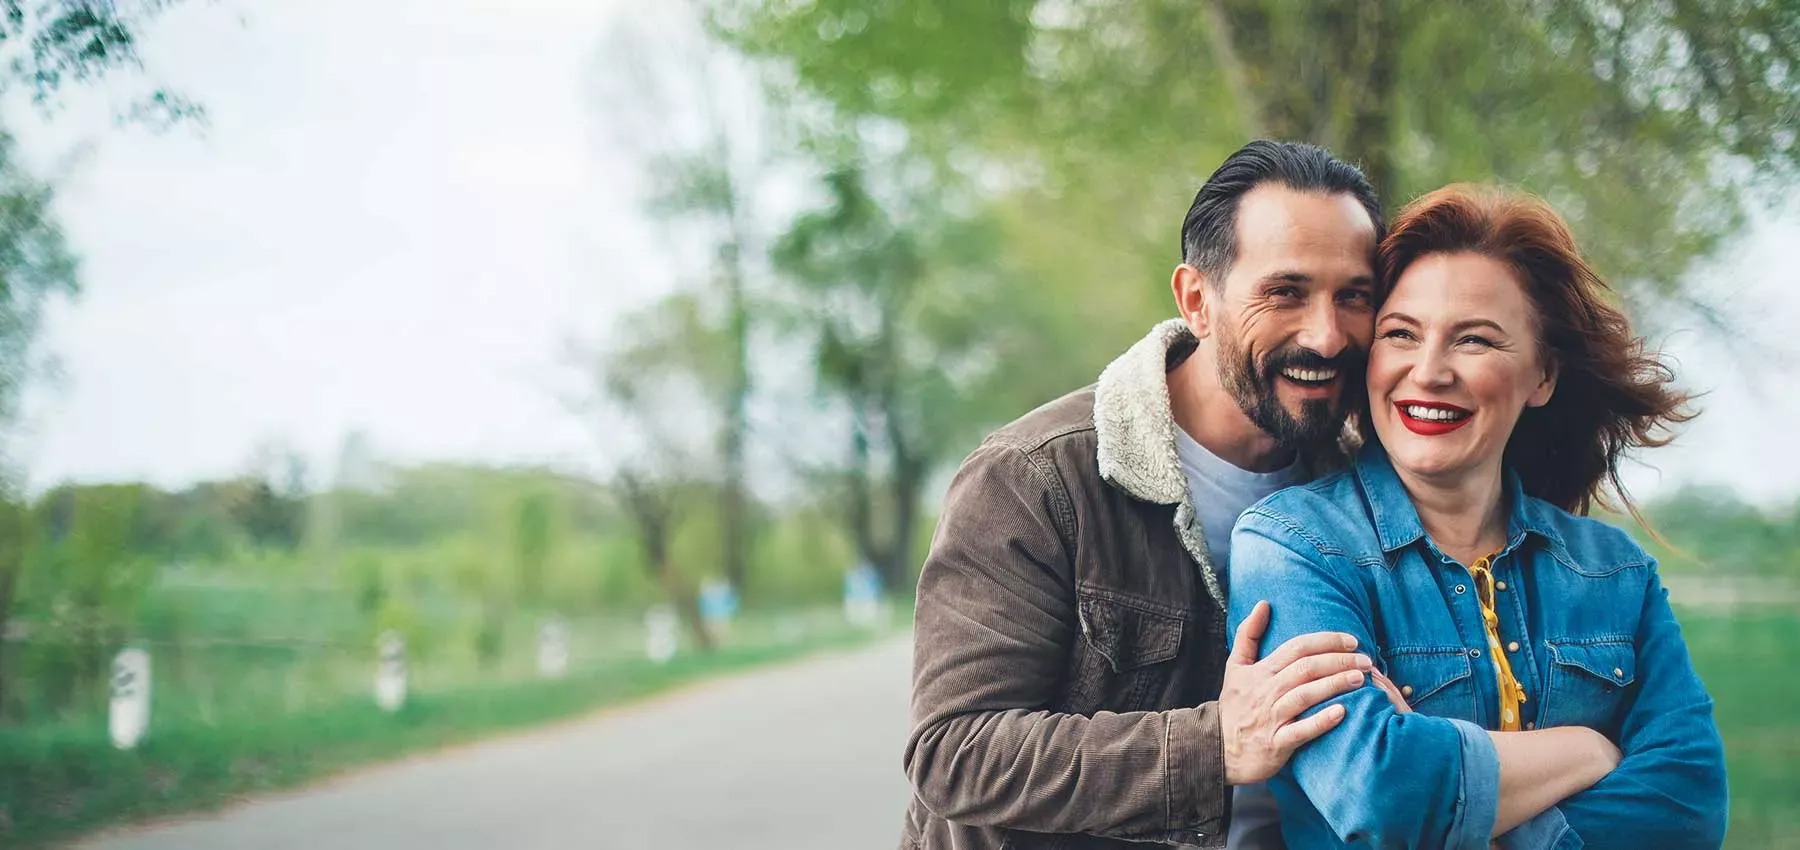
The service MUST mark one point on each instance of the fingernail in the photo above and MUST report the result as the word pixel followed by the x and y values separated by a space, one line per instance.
pixel 1349 641
pixel 1355 677
pixel 1363 662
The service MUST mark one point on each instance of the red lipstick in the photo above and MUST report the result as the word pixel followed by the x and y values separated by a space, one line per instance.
pixel 1432 427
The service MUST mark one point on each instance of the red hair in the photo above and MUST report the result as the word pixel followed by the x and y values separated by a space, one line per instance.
pixel 1611 393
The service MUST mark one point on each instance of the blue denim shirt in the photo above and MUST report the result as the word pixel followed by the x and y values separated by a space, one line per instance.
pixel 1597 646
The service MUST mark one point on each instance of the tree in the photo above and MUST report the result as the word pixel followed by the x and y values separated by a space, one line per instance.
pixel 45 48
pixel 898 299
pixel 688 111
pixel 1649 124
pixel 645 396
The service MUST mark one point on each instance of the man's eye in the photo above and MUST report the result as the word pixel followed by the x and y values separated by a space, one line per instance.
pixel 1285 292
pixel 1354 296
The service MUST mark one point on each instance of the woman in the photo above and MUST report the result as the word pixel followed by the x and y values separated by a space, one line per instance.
pixel 1556 704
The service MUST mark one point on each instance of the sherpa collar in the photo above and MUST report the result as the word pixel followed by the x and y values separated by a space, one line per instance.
pixel 1136 433
pixel 1132 420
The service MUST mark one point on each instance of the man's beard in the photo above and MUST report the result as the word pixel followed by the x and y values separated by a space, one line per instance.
pixel 1320 420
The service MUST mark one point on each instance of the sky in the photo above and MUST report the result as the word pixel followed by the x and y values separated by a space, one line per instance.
pixel 399 210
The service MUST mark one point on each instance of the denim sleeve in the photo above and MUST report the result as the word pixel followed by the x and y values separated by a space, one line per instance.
pixel 1669 791
pixel 1548 831
pixel 1439 778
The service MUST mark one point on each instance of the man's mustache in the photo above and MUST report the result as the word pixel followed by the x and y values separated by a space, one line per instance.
pixel 1348 360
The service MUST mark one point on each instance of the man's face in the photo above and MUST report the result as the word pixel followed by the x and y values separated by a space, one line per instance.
pixel 1295 313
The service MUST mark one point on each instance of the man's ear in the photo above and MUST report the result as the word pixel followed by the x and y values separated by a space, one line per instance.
pixel 1193 299
pixel 1546 388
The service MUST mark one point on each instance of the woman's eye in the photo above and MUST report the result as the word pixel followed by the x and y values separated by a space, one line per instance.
pixel 1482 341
pixel 1397 333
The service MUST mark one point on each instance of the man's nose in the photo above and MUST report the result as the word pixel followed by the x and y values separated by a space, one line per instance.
pixel 1323 331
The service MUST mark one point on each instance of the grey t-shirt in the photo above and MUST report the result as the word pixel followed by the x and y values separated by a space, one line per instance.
pixel 1221 492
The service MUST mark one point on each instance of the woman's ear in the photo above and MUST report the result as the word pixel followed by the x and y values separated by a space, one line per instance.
pixel 1545 388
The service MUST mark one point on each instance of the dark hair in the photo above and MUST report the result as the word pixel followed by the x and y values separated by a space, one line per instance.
pixel 1209 233
pixel 1611 393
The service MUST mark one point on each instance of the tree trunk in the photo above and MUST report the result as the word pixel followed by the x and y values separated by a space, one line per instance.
pixel 687 602
pixel 655 518
pixel 862 493
pixel 909 479
pixel 735 519
pixel 1370 141
pixel 734 514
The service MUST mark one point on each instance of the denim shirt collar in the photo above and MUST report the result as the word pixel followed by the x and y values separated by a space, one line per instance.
pixel 1397 523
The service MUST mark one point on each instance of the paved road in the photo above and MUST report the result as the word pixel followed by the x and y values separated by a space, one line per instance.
pixel 797 757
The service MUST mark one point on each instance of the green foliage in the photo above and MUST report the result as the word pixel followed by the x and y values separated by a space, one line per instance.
pixel 532 542
pixel 1714 532
pixel 1087 126
pixel 1742 658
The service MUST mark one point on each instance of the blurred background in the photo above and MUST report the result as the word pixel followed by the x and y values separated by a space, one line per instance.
pixel 383 375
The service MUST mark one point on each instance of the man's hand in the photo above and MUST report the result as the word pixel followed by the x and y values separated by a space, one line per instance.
pixel 1260 699
pixel 1393 693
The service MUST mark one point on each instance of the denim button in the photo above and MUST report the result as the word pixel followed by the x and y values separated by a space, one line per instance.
pixel 1461 589
pixel 1499 585
pixel 1512 647
pixel 1474 653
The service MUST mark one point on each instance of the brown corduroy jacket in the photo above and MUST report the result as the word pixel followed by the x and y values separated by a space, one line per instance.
pixel 1070 642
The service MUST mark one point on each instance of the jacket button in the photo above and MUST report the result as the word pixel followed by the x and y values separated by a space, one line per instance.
pixel 1461 589
pixel 1618 674
pixel 1406 690
pixel 1512 647
pixel 1474 653
pixel 1530 726
pixel 1499 585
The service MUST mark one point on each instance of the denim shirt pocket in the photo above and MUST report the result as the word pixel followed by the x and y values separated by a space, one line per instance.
pixel 1434 680
pixel 1126 645
pixel 1588 681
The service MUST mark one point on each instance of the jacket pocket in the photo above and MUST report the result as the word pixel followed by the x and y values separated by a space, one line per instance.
pixel 1587 683
pixel 1434 681
pixel 1122 662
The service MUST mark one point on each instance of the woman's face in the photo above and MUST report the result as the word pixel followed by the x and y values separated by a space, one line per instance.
pixel 1454 362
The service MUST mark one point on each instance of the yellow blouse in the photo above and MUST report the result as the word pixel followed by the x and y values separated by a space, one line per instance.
pixel 1512 694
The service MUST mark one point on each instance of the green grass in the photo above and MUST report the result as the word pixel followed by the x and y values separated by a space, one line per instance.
pixel 63 779
pixel 1746 660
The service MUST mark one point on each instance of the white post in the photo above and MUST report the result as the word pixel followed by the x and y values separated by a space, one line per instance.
pixel 390 672
pixel 659 640
pixel 553 648
pixel 129 717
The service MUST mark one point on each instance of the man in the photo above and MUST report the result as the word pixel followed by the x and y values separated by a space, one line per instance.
pixel 1071 683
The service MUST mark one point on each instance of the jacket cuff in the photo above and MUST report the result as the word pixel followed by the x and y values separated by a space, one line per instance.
pixel 1547 831
pixel 1198 796
pixel 1478 801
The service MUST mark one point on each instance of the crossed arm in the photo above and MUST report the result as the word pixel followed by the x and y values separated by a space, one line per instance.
pixel 1449 783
